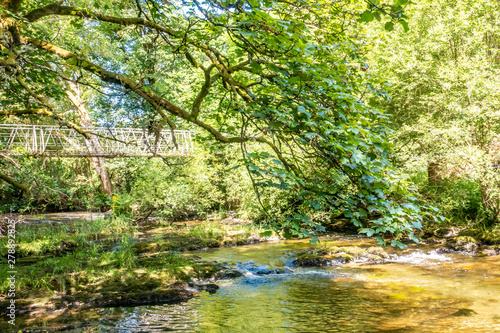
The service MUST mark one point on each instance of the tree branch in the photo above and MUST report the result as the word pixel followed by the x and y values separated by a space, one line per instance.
pixel 14 183
pixel 56 9
pixel 132 85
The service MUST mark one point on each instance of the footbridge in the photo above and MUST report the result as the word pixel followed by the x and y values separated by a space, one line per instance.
pixel 45 140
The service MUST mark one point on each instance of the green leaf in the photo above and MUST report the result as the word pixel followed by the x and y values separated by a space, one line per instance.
pixel 398 244
pixel 389 26
pixel 417 224
pixel 368 231
pixel 268 233
pixel 71 61
pixel 405 25
pixel 356 222
pixel 367 16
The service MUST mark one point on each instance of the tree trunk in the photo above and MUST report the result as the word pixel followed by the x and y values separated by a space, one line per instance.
pixel 92 144
pixel 433 173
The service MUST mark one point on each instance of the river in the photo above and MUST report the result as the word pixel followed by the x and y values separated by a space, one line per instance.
pixel 417 290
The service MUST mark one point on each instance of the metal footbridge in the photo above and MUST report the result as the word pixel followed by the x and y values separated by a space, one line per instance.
pixel 45 140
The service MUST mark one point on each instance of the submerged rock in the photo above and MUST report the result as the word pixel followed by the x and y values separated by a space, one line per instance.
pixel 259 270
pixel 227 274
pixel 465 313
pixel 209 287
pixel 443 250
pixel 492 250
pixel 310 259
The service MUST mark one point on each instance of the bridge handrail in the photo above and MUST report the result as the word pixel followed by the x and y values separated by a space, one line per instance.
pixel 43 140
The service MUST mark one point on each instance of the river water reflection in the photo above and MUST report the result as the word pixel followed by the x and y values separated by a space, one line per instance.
pixel 418 291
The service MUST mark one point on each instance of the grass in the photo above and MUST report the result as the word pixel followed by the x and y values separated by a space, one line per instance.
pixel 105 258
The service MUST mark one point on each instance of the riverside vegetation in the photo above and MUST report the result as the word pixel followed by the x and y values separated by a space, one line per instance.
pixel 371 117
pixel 111 262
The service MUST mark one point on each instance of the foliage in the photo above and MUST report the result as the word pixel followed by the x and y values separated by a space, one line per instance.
pixel 186 188
pixel 54 184
pixel 285 80
pixel 105 254
pixel 445 97
pixel 459 199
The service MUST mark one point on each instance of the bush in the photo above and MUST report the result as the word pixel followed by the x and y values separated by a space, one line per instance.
pixel 458 199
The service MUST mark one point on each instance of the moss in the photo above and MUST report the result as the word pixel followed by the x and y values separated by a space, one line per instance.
pixel 97 266
pixel 307 258
pixel 357 253
pixel 490 237
pixel 486 237
pixel 347 257
pixel 463 240
pixel 326 255
pixel 379 252
pixel 463 243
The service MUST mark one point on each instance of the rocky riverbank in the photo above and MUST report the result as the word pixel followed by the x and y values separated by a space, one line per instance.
pixel 113 263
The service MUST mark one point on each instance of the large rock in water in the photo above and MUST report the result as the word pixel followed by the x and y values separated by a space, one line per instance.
pixel 328 256
pixel 463 243
pixel 310 259
pixel 210 287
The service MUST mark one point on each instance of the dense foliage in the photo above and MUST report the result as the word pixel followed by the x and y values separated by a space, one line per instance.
pixel 286 81
pixel 444 106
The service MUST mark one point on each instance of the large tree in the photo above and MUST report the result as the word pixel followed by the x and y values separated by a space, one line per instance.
pixel 286 75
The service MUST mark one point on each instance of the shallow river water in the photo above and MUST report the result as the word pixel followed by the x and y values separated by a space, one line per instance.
pixel 417 291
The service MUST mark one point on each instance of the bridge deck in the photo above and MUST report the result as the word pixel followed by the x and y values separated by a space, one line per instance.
pixel 44 140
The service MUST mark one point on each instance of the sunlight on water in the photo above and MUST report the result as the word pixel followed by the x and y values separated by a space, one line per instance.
pixel 418 290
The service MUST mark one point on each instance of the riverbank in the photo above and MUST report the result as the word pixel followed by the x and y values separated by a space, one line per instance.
pixel 66 265
pixel 474 240
pixel 111 262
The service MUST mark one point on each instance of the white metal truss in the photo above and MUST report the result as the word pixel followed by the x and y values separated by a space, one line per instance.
pixel 44 140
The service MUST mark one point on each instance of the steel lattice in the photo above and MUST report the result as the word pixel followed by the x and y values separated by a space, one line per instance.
pixel 43 140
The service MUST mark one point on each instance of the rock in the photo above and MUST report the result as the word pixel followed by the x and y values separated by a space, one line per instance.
pixel 463 243
pixel 434 240
pixel 486 237
pixel 267 271
pixel 492 250
pixel 324 256
pixel 310 259
pixel 379 252
pixel 227 274
pixel 465 313
pixel 209 287
pixel 443 250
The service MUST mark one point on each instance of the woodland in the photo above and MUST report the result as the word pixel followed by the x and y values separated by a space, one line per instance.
pixel 308 118
pixel 379 114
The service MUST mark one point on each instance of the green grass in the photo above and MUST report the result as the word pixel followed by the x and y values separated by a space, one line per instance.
pixel 89 257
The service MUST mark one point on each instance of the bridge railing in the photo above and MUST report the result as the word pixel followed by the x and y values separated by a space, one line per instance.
pixel 46 140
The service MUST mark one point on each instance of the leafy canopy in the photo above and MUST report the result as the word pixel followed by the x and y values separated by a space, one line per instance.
pixel 285 80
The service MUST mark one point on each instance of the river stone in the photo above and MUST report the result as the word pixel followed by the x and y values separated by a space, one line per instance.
pixel 267 271
pixel 443 250
pixel 227 274
pixel 491 250
pixel 209 287
pixel 465 313
pixel 309 260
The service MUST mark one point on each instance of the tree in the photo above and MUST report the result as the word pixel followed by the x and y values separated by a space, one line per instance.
pixel 445 93
pixel 93 146
pixel 288 76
